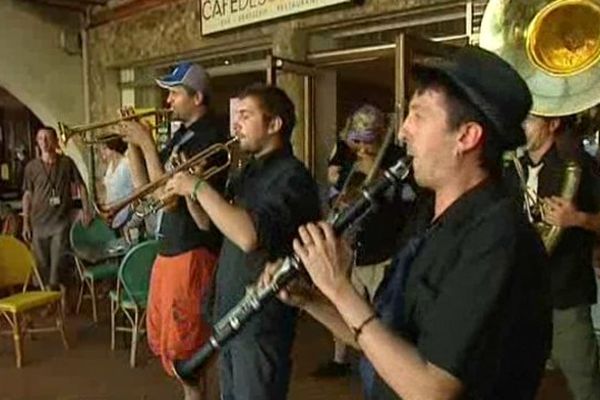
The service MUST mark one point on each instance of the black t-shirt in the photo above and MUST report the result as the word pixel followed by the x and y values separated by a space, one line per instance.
pixel 476 301
pixel 178 230
pixel 573 281
pixel 280 195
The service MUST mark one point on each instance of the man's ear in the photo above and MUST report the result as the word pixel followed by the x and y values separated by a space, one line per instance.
pixel 275 125
pixel 469 137
pixel 198 98
pixel 554 124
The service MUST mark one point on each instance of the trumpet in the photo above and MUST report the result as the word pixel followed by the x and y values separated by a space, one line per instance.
pixel 66 132
pixel 143 199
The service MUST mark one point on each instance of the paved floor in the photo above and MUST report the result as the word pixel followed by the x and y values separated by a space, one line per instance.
pixel 90 371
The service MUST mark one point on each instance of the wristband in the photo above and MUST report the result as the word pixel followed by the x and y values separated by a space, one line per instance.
pixel 197 187
pixel 357 331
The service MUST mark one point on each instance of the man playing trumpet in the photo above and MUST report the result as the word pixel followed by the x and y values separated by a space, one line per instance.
pixel 189 243
pixel 270 198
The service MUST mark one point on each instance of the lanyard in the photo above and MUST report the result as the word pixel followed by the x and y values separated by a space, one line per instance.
pixel 175 149
pixel 48 172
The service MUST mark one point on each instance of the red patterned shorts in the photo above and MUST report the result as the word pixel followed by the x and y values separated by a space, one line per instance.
pixel 174 321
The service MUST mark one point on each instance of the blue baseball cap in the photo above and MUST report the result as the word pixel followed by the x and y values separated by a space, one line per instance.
pixel 186 74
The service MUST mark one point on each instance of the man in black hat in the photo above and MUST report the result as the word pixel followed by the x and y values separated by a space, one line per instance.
pixel 465 311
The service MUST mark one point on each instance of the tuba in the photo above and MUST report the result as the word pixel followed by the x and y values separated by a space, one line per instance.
pixel 555 47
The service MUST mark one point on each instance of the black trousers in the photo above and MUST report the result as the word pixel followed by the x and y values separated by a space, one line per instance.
pixel 256 368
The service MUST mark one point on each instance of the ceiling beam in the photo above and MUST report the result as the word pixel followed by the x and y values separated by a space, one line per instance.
pixel 125 10
pixel 67 4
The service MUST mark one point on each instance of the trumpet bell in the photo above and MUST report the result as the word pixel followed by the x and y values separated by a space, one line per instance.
pixel 553 44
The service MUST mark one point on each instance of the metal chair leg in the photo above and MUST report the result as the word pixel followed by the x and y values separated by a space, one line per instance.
pixel 80 296
pixel 17 339
pixel 60 324
pixel 113 317
pixel 134 339
pixel 93 294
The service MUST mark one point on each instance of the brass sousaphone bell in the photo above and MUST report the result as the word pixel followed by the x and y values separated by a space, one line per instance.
pixel 555 47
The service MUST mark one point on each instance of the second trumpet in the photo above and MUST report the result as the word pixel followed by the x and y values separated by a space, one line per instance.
pixel 217 158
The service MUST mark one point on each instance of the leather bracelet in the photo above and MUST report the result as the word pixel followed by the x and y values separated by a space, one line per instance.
pixel 358 330
pixel 197 186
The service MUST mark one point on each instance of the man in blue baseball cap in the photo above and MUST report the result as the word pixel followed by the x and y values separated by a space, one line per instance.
pixel 188 242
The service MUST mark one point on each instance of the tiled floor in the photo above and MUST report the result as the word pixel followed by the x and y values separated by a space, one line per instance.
pixel 90 371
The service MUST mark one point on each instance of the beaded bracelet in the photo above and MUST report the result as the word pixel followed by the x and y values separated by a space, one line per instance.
pixel 357 331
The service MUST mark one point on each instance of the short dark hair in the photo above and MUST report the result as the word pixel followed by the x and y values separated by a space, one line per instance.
pixel 461 110
pixel 117 144
pixel 192 92
pixel 273 102
pixel 49 129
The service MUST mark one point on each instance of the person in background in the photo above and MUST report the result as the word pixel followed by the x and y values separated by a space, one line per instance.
pixel 117 178
pixel 375 242
pixel 47 205
pixel 574 346
pixel 10 223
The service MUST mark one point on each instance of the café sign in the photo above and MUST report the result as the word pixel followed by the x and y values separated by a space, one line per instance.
pixel 221 15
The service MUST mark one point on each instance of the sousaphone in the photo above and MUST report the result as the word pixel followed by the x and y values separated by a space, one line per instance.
pixel 554 45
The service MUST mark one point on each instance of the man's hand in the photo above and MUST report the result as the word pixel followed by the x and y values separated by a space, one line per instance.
pixel 326 258
pixel 135 132
pixel 297 293
pixel 26 230
pixel 561 212
pixel 333 174
pixel 182 184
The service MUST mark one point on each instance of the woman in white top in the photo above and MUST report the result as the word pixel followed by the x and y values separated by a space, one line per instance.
pixel 117 178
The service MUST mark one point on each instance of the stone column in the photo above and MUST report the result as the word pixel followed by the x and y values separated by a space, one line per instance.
pixel 290 43
pixel 105 98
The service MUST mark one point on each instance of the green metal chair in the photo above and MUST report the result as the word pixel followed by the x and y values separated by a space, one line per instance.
pixel 131 294
pixel 97 234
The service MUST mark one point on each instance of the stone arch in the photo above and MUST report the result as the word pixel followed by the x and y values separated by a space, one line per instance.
pixel 36 69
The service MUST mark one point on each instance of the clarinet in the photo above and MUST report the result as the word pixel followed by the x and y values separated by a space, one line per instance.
pixel 255 297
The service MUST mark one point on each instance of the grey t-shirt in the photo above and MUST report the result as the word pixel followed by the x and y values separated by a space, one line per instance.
pixel 45 181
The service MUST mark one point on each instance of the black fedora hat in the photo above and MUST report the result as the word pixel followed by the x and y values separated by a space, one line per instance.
pixel 491 84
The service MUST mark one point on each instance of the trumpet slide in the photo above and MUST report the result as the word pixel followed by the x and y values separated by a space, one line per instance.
pixel 256 296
